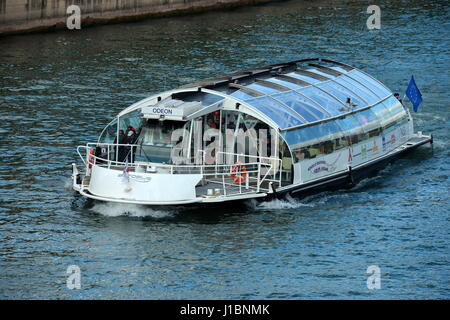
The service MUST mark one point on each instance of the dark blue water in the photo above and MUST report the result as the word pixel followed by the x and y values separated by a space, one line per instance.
pixel 59 89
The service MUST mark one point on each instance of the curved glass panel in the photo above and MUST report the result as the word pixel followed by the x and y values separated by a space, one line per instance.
pixel 241 95
pixel 330 76
pixel 326 101
pixel 132 119
pixel 353 129
pixel 263 89
pixel 109 133
pixel 396 110
pixel 282 115
pixel 313 141
pixel 369 121
pixel 304 78
pixel 301 105
pixel 355 86
pixel 376 86
pixel 340 69
pixel 313 134
pixel 342 93
pixel 383 114
pixel 288 84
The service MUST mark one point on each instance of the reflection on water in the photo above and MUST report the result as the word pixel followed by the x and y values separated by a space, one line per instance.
pixel 59 89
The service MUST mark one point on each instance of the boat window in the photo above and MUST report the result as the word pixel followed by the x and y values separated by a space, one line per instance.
pixel 301 105
pixel 351 128
pixel 397 112
pixel 132 119
pixel 326 101
pixel 155 140
pixel 382 113
pixel 370 123
pixel 342 93
pixel 312 141
pixel 109 133
pixel 282 115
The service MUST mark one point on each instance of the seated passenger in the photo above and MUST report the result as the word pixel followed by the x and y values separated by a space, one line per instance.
pixel 314 151
pixel 300 155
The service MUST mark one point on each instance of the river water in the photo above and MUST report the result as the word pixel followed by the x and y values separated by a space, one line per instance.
pixel 58 90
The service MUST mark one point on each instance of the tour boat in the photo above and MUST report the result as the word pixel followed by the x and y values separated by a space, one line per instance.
pixel 288 129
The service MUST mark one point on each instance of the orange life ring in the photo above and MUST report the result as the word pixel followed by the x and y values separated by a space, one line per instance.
pixel 238 172
pixel 91 157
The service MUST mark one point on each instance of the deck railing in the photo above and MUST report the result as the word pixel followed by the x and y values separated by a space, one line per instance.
pixel 245 173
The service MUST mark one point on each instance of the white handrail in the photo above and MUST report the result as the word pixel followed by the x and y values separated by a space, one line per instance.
pixel 209 172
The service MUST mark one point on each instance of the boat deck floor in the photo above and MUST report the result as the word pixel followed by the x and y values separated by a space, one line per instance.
pixel 231 187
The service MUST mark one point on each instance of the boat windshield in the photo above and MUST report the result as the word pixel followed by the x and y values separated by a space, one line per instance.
pixel 155 140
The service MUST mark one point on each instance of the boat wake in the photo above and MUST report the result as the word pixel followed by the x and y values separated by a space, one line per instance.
pixel 111 209
pixel 287 203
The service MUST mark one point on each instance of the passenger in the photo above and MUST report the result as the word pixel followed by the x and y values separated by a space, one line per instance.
pixel 211 124
pixel 131 136
pixel 121 152
pixel 314 151
pixel 300 155
pixel 121 134
pixel 401 101
pixel 129 128
pixel 138 132
pixel 322 148
pixel 130 139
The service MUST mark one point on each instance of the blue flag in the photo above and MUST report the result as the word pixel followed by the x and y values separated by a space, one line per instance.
pixel 413 94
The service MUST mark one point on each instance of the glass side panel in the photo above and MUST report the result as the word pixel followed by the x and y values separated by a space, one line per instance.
pixel 369 121
pixel 352 129
pixel 263 89
pixel 327 129
pixel 294 138
pixel 396 109
pixel 381 111
pixel 304 78
pixel 301 105
pixel 362 91
pixel 326 101
pixel 155 141
pixel 282 115
pixel 312 134
pixel 342 93
pixel 349 125
pixel 109 133
pixel 371 83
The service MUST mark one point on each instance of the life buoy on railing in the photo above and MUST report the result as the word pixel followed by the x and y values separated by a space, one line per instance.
pixel 91 157
pixel 238 172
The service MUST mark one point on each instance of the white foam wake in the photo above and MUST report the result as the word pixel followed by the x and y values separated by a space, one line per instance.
pixel 112 209
pixel 287 203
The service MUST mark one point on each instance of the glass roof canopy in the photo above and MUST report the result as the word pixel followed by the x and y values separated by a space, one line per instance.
pixel 304 96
